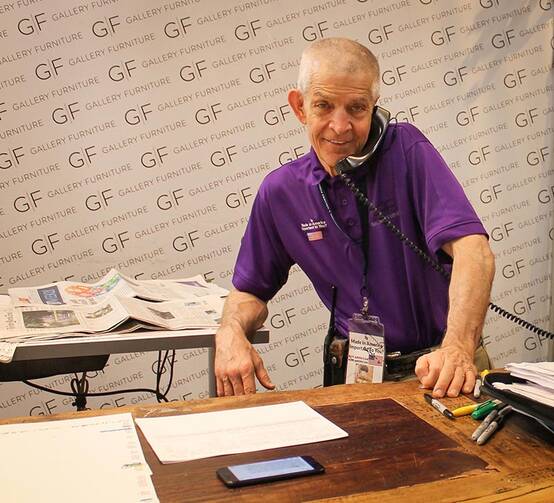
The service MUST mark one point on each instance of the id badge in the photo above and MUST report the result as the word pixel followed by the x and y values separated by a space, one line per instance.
pixel 366 354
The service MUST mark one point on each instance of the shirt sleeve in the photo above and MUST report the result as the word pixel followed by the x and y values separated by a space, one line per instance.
pixel 443 209
pixel 263 264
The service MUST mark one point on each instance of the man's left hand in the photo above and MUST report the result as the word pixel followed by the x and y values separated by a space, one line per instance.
pixel 447 370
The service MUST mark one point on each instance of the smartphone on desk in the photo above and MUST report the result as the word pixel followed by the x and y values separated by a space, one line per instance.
pixel 268 471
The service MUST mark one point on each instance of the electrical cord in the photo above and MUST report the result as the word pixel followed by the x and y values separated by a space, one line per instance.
pixel 104 393
pixel 385 220
pixel 80 386
pixel 159 371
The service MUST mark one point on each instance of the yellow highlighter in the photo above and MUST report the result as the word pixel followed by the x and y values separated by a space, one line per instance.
pixel 466 410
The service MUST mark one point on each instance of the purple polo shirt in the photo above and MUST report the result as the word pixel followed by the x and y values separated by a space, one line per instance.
pixel 410 182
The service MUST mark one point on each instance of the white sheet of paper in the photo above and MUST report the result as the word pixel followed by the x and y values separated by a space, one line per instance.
pixel 533 391
pixel 86 460
pixel 541 373
pixel 207 434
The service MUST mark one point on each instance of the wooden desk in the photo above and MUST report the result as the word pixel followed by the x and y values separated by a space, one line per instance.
pixel 399 449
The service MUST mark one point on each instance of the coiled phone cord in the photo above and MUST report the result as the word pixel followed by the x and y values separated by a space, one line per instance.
pixel 430 261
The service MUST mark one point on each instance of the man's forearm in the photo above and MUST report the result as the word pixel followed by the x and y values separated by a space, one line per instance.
pixel 243 311
pixel 469 292
pixel 236 362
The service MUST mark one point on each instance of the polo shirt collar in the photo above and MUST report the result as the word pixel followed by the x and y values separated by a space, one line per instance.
pixel 317 172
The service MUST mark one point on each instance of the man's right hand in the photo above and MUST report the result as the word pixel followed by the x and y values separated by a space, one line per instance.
pixel 236 364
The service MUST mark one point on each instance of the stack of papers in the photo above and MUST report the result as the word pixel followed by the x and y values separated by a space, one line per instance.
pixel 86 460
pixel 115 304
pixel 194 436
pixel 539 385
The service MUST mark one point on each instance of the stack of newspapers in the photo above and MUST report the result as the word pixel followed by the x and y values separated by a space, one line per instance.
pixel 115 304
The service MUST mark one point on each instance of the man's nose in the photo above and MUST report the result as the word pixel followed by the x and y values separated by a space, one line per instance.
pixel 340 122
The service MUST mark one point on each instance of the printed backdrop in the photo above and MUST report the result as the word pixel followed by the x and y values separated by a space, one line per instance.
pixel 134 134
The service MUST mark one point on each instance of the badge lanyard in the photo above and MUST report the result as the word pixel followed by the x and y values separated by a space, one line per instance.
pixel 364 243
pixel 365 351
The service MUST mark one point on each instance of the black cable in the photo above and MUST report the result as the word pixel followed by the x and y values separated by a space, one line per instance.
pixel 159 368
pixel 433 263
pixel 171 367
pixel 159 371
pixel 104 393
pixel 80 387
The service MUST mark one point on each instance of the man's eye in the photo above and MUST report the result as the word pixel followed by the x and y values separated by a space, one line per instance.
pixel 322 105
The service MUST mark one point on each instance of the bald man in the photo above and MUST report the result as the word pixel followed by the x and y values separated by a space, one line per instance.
pixel 305 214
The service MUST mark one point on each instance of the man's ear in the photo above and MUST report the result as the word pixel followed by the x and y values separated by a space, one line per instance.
pixel 296 102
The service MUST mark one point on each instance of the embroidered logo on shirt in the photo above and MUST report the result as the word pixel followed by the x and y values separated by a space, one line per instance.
pixel 314 229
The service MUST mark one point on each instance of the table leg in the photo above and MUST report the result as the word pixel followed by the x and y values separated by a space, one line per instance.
pixel 212 387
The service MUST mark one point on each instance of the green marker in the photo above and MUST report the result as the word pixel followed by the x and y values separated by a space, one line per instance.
pixel 484 409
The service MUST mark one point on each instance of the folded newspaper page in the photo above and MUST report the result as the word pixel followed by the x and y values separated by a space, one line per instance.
pixel 113 283
pixel 71 292
pixel 187 288
pixel 17 322
pixel 202 312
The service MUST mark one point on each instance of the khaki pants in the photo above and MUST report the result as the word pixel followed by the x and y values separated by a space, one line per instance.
pixel 481 359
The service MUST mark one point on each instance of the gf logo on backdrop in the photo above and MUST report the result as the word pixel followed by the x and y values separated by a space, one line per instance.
pixel 11 158
pixel 137 115
pixel 154 157
pixel 115 242
pixel 82 157
pixel 49 70
pixel 169 200
pixel 177 27
pixel 66 113
pixel 122 71
pixel 27 202
pixel 223 156
pixel 45 244
pixel 99 200
pixel 31 25
pixel 105 27
pixel 246 31
pixel 194 71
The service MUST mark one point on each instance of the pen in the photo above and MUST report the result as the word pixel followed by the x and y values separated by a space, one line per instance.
pixel 479 383
pixel 477 388
pixel 484 409
pixel 437 405
pixel 494 425
pixel 465 410
pixel 483 426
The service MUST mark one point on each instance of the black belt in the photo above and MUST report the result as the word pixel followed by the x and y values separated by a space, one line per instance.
pixel 399 366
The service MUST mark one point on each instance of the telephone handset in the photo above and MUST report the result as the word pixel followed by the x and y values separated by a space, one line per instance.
pixel 379 123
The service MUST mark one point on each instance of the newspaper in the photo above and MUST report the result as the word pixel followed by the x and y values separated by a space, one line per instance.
pixel 71 292
pixel 21 322
pixel 170 289
pixel 113 283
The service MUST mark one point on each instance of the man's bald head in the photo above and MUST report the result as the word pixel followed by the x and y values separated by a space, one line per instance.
pixel 342 55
